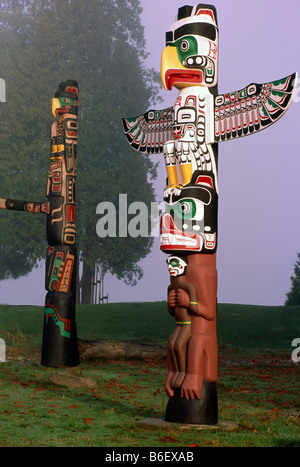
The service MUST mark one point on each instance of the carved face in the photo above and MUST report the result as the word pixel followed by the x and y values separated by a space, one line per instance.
pixel 66 99
pixel 176 266
pixel 62 105
pixel 191 55
pixel 190 220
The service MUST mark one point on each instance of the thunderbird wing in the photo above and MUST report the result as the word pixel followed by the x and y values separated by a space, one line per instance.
pixel 148 133
pixel 253 108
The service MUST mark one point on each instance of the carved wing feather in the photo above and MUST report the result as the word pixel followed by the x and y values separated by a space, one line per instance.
pixel 148 133
pixel 253 108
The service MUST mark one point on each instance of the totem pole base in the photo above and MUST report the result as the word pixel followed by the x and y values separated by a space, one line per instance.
pixel 194 411
pixel 60 345
pixel 58 352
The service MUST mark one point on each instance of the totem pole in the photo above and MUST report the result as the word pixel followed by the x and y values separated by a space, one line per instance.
pixel 60 346
pixel 188 134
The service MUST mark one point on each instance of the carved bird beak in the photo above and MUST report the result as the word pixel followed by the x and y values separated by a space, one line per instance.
pixel 55 106
pixel 173 73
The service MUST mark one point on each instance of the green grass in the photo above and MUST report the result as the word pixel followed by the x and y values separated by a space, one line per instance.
pixel 258 382
pixel 244 326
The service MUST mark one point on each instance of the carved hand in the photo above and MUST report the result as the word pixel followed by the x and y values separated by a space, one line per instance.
pixel 182 299
pixel 172 298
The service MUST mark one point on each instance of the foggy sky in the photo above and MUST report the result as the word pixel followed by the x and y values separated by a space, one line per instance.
pixel 259 187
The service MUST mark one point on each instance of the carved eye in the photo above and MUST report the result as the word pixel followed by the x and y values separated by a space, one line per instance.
pixel 184 46
pixel 185 208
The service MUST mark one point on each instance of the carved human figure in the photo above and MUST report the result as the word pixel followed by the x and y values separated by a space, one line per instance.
pixel 192 348
pixel 178 341
pixel 202 359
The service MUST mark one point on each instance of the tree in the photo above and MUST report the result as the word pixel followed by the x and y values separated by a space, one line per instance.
pixel 23 168
pixel 293 296
pixel 101 45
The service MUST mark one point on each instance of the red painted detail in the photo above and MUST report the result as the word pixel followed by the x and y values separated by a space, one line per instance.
pixel 72 89
pixel 66 321
pixel 178 237
pixel 69 263
pixel 204 180
pixel 70 213
pixel 177 133
pixel 206 12
pixel 173 76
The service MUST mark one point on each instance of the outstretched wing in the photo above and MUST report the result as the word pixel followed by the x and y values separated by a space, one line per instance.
pixel 253 108
pixel 148 133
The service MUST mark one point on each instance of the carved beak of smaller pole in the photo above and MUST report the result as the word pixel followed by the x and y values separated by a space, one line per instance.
pixel 55 106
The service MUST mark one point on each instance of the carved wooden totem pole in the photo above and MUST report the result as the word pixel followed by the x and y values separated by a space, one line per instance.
pixel 60 346
pixel 188 134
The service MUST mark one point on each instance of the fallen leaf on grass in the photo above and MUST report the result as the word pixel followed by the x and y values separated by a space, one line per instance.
pixel 88 420
pixel 169 439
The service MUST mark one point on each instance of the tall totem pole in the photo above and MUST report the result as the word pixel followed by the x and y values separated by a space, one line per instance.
pixel 188 134
pixel 60 346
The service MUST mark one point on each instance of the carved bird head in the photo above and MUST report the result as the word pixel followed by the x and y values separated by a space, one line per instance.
pixel 191 54
pixel 66 99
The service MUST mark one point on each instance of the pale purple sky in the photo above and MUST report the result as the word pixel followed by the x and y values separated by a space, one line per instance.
pixel 259 189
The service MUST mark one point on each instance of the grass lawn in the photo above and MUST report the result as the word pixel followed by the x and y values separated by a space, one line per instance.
pixel 258 383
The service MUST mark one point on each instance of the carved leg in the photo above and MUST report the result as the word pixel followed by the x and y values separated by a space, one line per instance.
pixel 181 354
pixel 204 367
pixel 172 363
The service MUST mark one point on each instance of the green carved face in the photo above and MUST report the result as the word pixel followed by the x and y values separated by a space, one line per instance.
pixel 174 263
pixel 176 266
pixel 65 101
pixel 186 46
pixel 63 104
pixel 184 209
